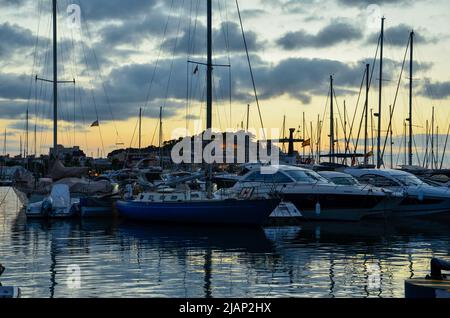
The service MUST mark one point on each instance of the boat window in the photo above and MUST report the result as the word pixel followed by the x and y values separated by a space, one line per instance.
pixel 277 178
pixel 162 198
pixel 305 176
pixel 344 181
pixel 174 198
pixel 142 197
pixel 195 196
pixel 378 181
pixel 255 177
pixel 408 180
pixel 150 197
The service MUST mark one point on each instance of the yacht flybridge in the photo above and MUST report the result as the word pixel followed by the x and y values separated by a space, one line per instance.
pixel 315 197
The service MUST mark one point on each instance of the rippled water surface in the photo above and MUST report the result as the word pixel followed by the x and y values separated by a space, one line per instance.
pixel 119 259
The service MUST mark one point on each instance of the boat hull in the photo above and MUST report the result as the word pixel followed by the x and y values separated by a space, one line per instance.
pixel 249 212
pixel 333 207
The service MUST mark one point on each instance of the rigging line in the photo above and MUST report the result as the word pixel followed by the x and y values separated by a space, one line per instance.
pixel 339 112
pixel 445 148
pixel 34 56
pixel 173 58
pixel 229 63
pixel 100 74
pixel 159 55
pixel 92 90
pixel 80 90
pixel 251 70
pixel 417 153
pixel 192 51
pixel 347 148
pixel 360 92
pixel 187 68
pixel 395 99
pixel 225 31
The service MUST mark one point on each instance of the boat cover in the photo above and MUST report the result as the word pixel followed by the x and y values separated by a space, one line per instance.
pixel 59 171
pixel 60 196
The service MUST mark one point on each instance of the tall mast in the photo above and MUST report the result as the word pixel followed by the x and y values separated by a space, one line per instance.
pixel 248 116
pixel 209 99
pixel 331 121
pixel 55 81
pixel 379 159
pixel 209 67
pixel 432 139
pixel 4 145
pixel 26 135
pixel 304 134
pixel 140 128
pixel 160 137
pixel 411 60
pixel 345 128
pixel 366 115
pixel 391 133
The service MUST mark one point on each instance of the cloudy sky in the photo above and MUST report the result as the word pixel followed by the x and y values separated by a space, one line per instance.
pixel 130 54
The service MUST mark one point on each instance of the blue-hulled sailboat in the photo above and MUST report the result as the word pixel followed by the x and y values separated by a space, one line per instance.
pixel 170 205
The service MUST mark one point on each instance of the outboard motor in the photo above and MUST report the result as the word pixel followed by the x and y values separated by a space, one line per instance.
pixel 437 266
pixel 47 206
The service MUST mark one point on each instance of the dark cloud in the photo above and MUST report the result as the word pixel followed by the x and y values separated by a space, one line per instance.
pixel 13 86
pixel 13 3
pixel 399 36
pixel 14 38
pixel 115 9
pixel 332 34
pixel 436 90
pixel 227 37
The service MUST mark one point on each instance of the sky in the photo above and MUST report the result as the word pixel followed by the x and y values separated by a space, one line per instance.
pixel 126 55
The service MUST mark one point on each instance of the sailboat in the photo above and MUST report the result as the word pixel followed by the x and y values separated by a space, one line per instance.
pixel 186 206
pixel 35 194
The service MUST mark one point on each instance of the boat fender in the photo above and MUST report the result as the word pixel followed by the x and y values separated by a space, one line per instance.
pixel 318 208
pixel 420 195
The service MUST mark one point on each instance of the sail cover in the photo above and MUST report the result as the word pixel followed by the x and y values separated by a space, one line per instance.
pixel 59 171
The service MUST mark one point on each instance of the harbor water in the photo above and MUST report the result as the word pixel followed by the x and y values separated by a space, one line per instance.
pixel 113 258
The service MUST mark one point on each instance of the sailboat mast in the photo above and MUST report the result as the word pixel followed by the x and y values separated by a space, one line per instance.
pixel 26 135
pixel 379 159
pixel 248 116
pixel 4 145
pixel 391 133
pixel 331 121
pixel 209 97
pixel 411 60
pixel 209 67
pixel 55 81
pixel 160 137
pixel 140 128
pixel 366 116
pixel 432 139
pixel 304 134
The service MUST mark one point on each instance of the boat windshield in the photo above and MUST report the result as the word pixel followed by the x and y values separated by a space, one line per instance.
pixel 305 176
pixel 344 181
pixel 408 180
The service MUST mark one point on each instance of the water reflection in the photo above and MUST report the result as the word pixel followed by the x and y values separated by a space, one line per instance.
pixel 122 259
